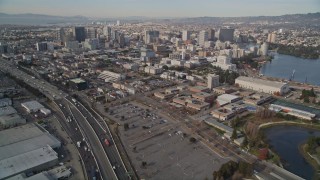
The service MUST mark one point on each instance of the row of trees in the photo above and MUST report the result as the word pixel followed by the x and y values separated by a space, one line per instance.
pixel 233 170
pixel 313 145
pixel 309 52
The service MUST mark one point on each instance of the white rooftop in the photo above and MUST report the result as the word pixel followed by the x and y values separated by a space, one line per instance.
pixel 262 81
pixel 19 133
pixel 32 105
pixel 227 97
pixel 20 163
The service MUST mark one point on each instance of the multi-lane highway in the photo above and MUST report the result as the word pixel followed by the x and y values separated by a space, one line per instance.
pixel 103 132
pixel 107 158
pixel 76 134
pixel 93 139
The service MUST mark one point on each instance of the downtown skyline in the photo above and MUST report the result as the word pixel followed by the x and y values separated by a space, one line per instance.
pixel 165 8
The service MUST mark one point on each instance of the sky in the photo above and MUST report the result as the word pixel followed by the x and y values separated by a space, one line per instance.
pixel 160 8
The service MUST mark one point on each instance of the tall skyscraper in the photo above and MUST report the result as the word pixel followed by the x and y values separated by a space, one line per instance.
pixel 79 33
pixel 185 35
pixel 91 33
pixel 114 34
pixel 203 37
pixel 272 38
pixel 107 32
pixel 226 34
pixel 211 33
pixel 151 36
pixel 121 40
pixel 213 81
pixel 264 49
pixel 118 23
pixel 43 46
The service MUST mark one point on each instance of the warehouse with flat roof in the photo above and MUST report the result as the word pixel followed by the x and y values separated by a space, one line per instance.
pixel 261 85
pixel 36 160
pixel 32 106
pixel 22 139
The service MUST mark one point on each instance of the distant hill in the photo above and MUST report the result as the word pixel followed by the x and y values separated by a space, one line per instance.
pixel 39 19
pixel 310 18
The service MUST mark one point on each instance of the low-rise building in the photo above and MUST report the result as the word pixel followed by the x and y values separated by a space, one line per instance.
pixel 11 120
pixel 204 97
pixel 153 70
pixel 297 110
pixel 5 102
pixel 78 84
pixel 109 76
pixel 257 99
pixel 223 90
pixel 197 89
pixel 163 95
pixel 32 106
pixel 264 86
pixel 191 103
pixel 7 110
pixel 35 160
pixel 222 114
pixel 226 99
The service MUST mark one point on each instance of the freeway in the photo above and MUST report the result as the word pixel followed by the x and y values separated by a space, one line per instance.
pixel 94 143
pixel 93 131
pixel 76 134
pixel 103 132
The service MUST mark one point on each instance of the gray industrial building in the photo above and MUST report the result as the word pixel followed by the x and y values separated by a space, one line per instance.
pixel 11 120
pixel 32 106
pixel 36 160
pixel 25 149
pixel 5 102
pixel 7 110
pixel 60 172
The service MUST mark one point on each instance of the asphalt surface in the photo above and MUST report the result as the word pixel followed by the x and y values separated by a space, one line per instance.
pixel 70 127
pixel 93 140
pixel 99 149
pixel 101 130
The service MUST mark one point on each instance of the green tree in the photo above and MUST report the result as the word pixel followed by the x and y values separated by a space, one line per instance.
pixel 193 140
pixel 126 126
pixel 165 67
pixel 245 141
pixel 234 134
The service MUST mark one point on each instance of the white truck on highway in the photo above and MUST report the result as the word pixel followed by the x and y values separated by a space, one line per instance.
pixel 74 100
pixel 79 144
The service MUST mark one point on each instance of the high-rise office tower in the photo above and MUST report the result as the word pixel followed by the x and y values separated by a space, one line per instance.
pixel 121 40
pixel 264 49
pixel 213 81
pixel 91 33
pixel 43 46
pixel 107 32
pixel 151 36
pixel 272 38
pixel 211 33
pixel 118 23
pixel 226 34
pixel 203 37
pixel 114 34
pixel 79 33
pixel 185 35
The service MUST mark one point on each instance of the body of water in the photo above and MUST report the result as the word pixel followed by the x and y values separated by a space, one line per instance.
pixel 282 66
pixel 285 141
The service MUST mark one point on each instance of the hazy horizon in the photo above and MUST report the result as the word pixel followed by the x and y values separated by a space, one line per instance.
pixel 164 8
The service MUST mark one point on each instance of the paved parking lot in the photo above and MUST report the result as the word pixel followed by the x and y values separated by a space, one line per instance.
pixel 162 145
